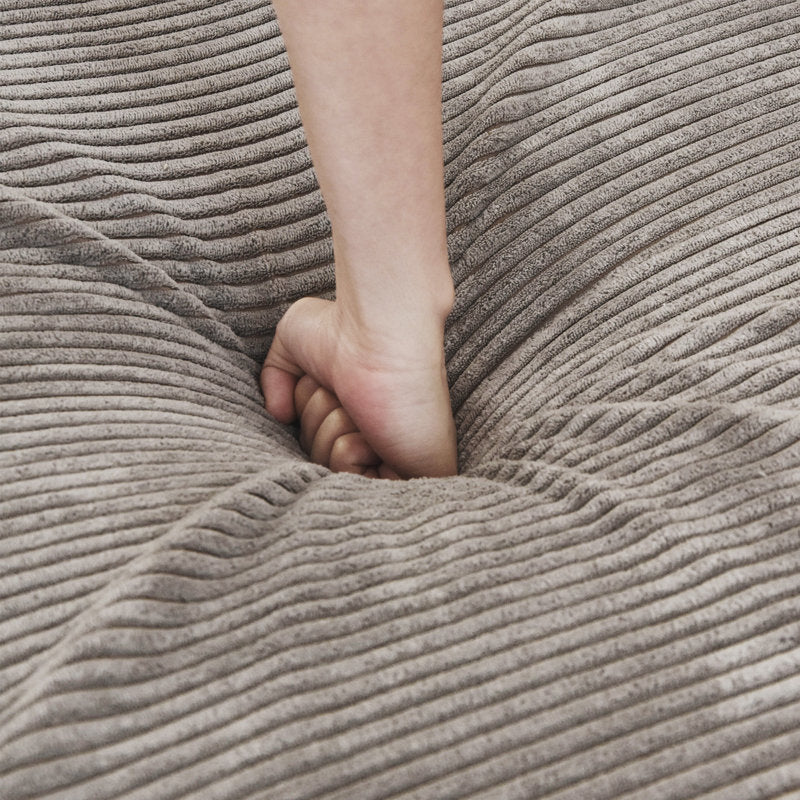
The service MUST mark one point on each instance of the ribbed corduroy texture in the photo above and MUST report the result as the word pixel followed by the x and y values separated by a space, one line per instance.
pixel 605 604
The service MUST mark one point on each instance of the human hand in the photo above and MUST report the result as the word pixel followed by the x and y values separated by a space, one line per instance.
pixel 375 404
pixel 330 437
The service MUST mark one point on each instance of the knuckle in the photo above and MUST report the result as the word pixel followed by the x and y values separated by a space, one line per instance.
pixel 345 449
pixel 340 420
pixel 319 404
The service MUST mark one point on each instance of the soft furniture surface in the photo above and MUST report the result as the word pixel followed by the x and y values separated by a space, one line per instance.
pixel 604 604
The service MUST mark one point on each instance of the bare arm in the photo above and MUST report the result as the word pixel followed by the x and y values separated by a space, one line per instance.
pixel 368 80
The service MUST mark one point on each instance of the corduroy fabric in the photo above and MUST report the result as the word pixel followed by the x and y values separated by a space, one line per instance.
pixel 604 604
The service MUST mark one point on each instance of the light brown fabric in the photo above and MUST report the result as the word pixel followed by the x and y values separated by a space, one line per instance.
pixel 604 604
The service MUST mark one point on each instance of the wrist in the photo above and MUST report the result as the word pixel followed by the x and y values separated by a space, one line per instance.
pixel 401 328
pixel 400 302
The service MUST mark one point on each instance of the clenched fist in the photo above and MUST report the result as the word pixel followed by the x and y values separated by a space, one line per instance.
pixel 373 404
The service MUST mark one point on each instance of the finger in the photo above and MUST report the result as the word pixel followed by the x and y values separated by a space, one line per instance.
pixel 370 472
pixel 386 472
pixel 319 405
pixel 352 453
pixel 278 387
pixel 296 349
pixel 300 339
pixel 336 424
pixel 303 392
pixel 278 379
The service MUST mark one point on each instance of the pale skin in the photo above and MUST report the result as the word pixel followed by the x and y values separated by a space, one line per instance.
pixel 365 374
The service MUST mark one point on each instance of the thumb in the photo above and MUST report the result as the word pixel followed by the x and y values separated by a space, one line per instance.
pixel 299 347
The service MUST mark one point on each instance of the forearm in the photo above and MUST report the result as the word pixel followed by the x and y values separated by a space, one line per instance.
pixel 368 80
